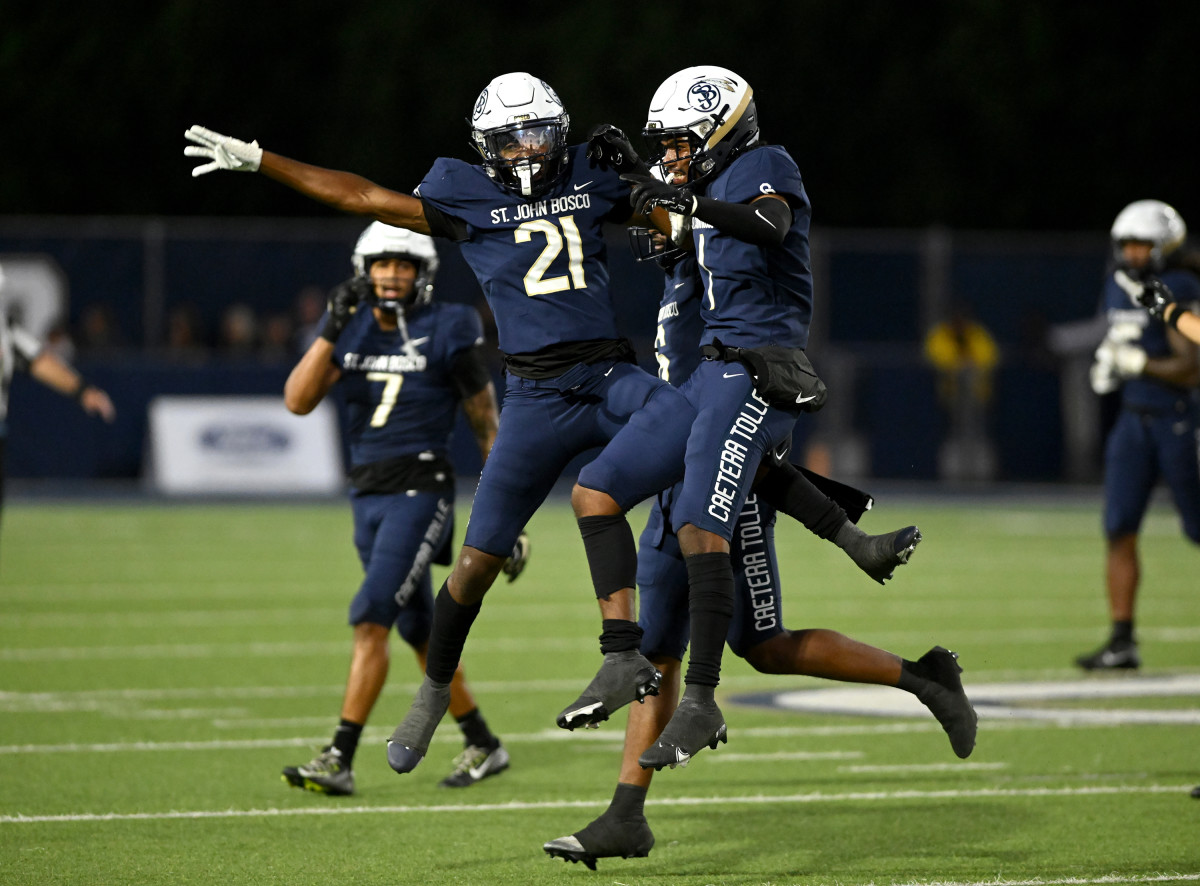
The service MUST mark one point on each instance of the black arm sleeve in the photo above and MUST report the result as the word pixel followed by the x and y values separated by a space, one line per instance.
pixel 442 224
pixel 470 372
pixel 763 222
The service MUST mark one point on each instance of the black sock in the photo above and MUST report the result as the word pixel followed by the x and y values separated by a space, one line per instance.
pixel 611 552
pixel 710 599
pixel 619 635
pixel 1122 631
pixel 629 801
pixel 451 624
pixel 345 739
pixel 475 730
pixel 790 492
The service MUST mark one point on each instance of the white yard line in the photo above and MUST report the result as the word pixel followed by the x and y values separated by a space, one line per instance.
pixel 748 799
pixel 1065 881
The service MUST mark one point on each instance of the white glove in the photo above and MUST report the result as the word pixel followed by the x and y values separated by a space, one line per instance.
pixel 223 151
pixel 1103 374
pixel 1130 360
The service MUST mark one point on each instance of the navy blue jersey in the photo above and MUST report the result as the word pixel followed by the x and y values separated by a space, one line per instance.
pixel 542 264
pixel 400 396
pixel 1129 321
pixel 677 339
pixel 756 295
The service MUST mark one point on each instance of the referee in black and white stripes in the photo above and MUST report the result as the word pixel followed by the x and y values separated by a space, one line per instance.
pixel 21 351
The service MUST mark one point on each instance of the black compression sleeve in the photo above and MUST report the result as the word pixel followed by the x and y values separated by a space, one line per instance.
pixel 442 224
pixel 469 372
pixel 763 222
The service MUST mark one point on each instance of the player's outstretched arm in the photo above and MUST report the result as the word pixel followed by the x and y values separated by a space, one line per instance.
pixel 341 190
pixel 60 376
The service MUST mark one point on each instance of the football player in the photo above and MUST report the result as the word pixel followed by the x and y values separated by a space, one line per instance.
pixel 22 351
pixel 1156 370
pixel 756 632
pixel 529 221
pixel 405 364
pixel 748 214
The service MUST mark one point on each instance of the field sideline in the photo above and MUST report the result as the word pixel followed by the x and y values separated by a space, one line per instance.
pixel 160 664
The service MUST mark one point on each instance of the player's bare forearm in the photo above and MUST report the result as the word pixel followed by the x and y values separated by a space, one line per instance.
pixel 483 416
pixel 54 373
pixel 1187 322
pixel 346 191
pixel 1182 368
pixel 311 378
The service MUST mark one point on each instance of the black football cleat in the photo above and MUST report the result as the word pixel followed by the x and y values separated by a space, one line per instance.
pixel 606 837
pixel 694 726
pixel 1112 656
pixel 622 678
pixel 946 699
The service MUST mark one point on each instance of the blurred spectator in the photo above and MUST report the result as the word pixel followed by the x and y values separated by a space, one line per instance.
pixel 238 333
pixel 278 337
pixel 965 355
pixel 98 332
pixel 185 333
pixel 309 309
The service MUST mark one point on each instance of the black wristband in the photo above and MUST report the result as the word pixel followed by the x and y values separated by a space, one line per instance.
pixel 1173 319
pixel 79 391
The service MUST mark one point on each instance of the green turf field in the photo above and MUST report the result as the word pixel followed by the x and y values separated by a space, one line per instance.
pixel 160 664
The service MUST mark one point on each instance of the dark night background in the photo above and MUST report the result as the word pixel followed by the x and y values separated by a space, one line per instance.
pixel 982 114
pixel 977 149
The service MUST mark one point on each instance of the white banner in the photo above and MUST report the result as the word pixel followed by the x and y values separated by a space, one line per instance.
pixel 242 446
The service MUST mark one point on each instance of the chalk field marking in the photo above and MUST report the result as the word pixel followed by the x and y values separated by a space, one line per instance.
pixel 752 800
pixel 1066 881
pixel 1005 701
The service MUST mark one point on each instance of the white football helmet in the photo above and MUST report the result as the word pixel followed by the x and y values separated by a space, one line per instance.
pixel 384 241
pixel 520 128
pixel 711 108
pixel 1153 222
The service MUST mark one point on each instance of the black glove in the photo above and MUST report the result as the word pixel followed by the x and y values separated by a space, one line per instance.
pixel 1155 297
pixel 608 148
pixel 520 556
pixel 343 302
pixel 648 192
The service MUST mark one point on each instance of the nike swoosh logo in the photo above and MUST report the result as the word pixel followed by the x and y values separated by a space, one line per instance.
pixel 684 283
pixel 584 185
pixel 763 217
pixel 610 369
pixel 800 398
pixel 732 374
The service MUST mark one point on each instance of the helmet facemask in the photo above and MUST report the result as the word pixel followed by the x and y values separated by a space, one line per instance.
pixel 527 159
pixel 672 152
pixel 419 294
